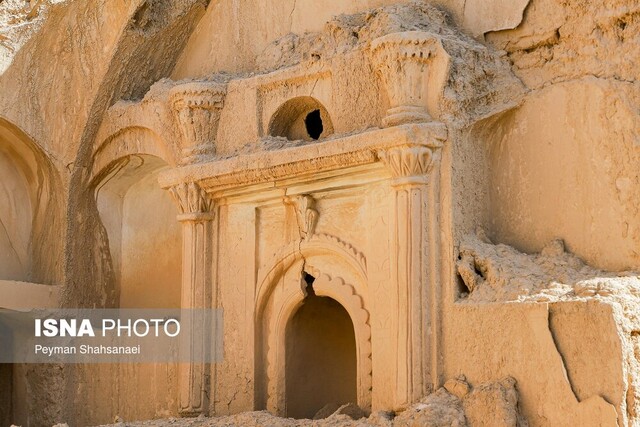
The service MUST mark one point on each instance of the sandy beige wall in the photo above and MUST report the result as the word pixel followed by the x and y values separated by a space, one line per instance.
pixel 552 353
pixel 249 26
pixel 15 220
pixel 565 165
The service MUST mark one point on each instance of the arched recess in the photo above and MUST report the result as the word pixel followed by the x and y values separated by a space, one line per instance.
pixel 274 310
pixel 29 209
pixel 303 117
pixel 321 357
pixel 130 141
pixel 140 219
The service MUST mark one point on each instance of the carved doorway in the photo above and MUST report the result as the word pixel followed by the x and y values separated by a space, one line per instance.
pixel 299 321
pixel 321 357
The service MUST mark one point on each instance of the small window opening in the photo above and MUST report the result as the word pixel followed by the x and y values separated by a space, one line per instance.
pixel 313 123
pixel 301 119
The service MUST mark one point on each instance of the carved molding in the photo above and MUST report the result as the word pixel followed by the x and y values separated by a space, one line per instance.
pixel 318 244
pixel 403 61
pixel 192 201
pixel 352 153
pixel 328 239
pixel 196 108
pixel 410 164
pixel 252 176
pixel 306 215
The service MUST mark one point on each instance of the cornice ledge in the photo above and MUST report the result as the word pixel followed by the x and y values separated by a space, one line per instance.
pixel 289 162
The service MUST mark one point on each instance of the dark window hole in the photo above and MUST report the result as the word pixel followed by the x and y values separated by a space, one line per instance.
pixel 313 123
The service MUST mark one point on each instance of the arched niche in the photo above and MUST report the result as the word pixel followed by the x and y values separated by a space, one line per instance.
pixel 301 118
pixel 144 236
pixel 130 141
pixel 321 356
pixel 27 211
pixel 278 305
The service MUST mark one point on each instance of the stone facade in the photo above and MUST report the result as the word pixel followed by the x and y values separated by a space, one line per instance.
pixel 302 166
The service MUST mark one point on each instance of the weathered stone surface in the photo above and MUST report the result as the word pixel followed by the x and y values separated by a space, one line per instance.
pixel 493 405
pixel 458 387
pixel 351 410
pixel 490 404
pixel 326 411
pixel 317 170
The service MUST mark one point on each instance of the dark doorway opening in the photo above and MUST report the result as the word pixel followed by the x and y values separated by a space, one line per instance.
pixel 321 361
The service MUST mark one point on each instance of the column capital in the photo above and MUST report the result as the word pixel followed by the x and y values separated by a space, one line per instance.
pixel 411 65
pixel 410 163
pixel 193 202
pixel 197 107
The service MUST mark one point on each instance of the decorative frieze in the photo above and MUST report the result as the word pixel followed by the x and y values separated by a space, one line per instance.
pixel 197 107
pixel 404 63
pixel 409 286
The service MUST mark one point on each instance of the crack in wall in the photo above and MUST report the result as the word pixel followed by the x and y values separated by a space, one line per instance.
pixel 567 374
pixel 562 357
pixel 293 9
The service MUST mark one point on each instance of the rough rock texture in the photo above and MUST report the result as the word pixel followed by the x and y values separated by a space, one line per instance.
pixel 577 58
pixel 19 20
pixel 479 81
pixel 490 404
pixel 560 41
pixel 500 273
pixel 501 397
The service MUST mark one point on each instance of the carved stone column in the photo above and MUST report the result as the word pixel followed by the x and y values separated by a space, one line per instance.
pixel 405 62
pixel 197 107
pixel 414 232
pixel 198 227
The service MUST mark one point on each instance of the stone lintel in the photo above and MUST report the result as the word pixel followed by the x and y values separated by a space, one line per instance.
pixel 330 155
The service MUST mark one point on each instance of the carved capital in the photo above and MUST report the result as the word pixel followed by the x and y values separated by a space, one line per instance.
pixel 196 108
pixel 306 215
pixel 404 63
pixel 410 164
pixel 193 202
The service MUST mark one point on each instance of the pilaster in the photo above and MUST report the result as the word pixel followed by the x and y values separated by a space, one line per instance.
pixel 198 219
pixel 414 241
